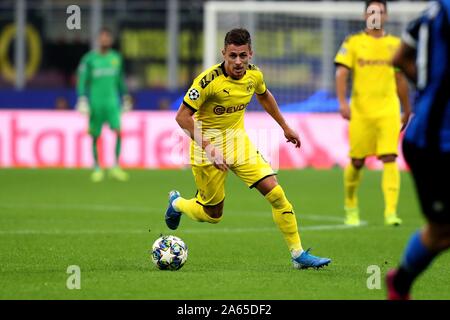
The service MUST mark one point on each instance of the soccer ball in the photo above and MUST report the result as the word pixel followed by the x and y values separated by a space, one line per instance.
pixel 169 253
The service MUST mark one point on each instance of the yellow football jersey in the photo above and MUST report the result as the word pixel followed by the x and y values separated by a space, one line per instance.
pixel 219 103
pixel 374 89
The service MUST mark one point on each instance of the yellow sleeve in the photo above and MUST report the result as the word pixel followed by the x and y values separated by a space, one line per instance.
pixel 197 94
pixel 345 55
pixel 260 87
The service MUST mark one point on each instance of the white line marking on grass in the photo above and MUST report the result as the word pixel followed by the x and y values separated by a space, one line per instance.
pixel 139 209
pixel 142 231
pixel 82 207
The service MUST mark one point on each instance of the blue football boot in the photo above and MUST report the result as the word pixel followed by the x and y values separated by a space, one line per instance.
pixel 172 216
pixel 307 260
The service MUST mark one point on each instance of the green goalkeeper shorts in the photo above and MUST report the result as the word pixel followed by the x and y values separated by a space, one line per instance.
pixel 99 116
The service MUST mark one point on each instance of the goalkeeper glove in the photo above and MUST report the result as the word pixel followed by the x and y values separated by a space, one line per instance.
pixel 127 103
pixel 82 105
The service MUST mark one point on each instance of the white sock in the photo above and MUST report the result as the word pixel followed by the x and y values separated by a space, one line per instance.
pixel 296 253
pixel 174 204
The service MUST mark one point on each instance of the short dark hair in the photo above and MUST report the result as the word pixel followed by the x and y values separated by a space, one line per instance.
pixel 238 36
pixel 369 2
pixel 105 30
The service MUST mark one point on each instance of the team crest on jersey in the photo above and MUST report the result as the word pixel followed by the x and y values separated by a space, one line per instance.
pixel 250 86
pixel 194 94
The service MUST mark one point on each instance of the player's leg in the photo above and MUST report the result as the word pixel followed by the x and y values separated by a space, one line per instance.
pixel 391 188
pixel 387 150
pixel 116 171
pixel 352 179
pixel 423 246
pixel 207 205
pixel 95 129
pixel 282 212
pixel 284 217
pixel 257 173
pixel 362 144
pixel 431 176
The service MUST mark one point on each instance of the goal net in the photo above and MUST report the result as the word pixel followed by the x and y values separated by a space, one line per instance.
pixel 294 43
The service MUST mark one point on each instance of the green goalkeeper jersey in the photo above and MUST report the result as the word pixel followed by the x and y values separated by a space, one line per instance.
pixel 100 77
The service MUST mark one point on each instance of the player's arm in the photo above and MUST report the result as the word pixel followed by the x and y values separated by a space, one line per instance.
pixel 344 62
pixel 127 102
pixel 405 60
pixel 83 72
pixel 83 76
pixel 186 122
pixel 269 104
pixel 342 74
pixel 403 95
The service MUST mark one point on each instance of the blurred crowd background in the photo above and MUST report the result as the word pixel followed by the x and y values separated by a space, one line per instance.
pixel 162 45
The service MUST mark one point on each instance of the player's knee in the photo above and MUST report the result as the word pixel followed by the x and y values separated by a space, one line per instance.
pixel 388 158
pixel 358 163
pixel 441 244
pixel 215 211
pixel 446 243
pixel 438 236
pixel 277 198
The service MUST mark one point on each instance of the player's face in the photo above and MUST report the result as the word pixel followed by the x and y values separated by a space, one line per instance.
pixel 236 59
pixel 376 13
pixel 105 40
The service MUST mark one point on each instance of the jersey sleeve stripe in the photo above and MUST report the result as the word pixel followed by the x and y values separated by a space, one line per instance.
pixel 261 94
pixel 342 64
pixel 189 106
pixel 409 40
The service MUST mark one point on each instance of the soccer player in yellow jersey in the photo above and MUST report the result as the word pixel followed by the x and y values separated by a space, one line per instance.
pixel 217 99
pixel 374 111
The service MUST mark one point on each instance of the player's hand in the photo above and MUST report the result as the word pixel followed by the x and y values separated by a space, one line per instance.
pixel 215 155
pixel 127 103
pixel 344 109
pixel 405 120
pixel 82 105
pixel 292 136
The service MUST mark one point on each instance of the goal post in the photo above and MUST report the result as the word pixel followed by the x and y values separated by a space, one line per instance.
pixel 295 42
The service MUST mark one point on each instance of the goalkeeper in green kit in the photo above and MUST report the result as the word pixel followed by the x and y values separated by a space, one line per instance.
pixel 102 95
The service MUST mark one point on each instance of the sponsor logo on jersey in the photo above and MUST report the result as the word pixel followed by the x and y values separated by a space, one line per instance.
pixel 104 72
pixel 373 62
pixel 219 110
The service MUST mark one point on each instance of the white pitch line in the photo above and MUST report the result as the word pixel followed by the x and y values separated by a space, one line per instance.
pixel 141 231
pixel 82 207
pixel 109 208
pixel 140 209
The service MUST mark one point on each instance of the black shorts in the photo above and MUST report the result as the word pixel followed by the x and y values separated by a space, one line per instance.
pixel 431 173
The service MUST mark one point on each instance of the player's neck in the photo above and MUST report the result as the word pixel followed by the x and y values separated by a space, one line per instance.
pixel 376 33
pixel 103 50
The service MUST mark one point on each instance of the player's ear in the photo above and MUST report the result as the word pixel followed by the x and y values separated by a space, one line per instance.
pixel 223 52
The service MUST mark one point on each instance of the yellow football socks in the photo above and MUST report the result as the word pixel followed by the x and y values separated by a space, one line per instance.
pixel 391 187
pixel 284 217
pixel 352 178
pixel 194 210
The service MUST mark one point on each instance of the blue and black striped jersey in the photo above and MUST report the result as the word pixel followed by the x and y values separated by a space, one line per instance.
pixel 430 36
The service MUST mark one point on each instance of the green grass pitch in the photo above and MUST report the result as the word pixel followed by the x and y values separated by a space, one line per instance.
pixel 50 219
